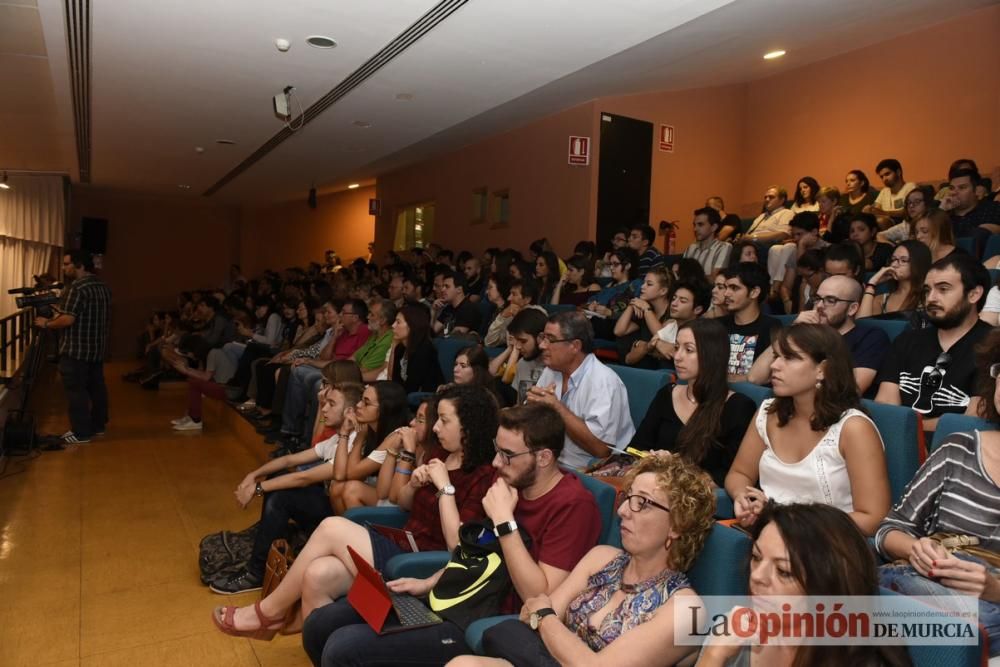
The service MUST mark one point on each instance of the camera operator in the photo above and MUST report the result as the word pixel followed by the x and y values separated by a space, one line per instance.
pixel 84 315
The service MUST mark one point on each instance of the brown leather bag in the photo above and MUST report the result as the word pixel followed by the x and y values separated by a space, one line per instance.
pixel 279 560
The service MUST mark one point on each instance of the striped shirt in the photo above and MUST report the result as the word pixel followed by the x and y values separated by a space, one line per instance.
pixel 712 254
pixel 88 300
pixel 951 493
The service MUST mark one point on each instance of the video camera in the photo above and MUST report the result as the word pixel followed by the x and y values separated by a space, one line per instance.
pixel 41 297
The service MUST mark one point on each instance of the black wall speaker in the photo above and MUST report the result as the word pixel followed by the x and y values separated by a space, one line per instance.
pixel 94 235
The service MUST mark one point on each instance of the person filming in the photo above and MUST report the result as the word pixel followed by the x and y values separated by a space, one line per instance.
pixel 84 315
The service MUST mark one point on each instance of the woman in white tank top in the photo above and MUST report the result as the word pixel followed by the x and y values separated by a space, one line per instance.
pixel 812 443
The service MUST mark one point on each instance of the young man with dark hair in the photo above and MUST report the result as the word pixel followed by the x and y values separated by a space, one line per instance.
pixel 217 329
pixel 933 370
pixel 969 214
pixel 413 292
pixel 749 329
pixel 589 396
pixel 707 249
pixel 641 238
pixel 688 301
pixel 843 259
pixel 892 198
pixel 85 314
pixel 522 355
pixel 523 293
pixel 453 312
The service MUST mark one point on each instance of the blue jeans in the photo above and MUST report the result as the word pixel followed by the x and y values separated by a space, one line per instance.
pixel 335 635
pixel 301 384
pixel 905 580
pixel 307 506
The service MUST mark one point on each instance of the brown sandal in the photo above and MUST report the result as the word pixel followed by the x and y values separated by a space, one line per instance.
pixel 268 626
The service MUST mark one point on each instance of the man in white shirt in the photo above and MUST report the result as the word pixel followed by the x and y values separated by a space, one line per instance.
pixel 892 198
pixel 771 226
pixel 711 253
pixel 589 396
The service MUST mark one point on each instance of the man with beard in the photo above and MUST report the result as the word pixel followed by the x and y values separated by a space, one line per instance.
pixel 837 301
pixel 933 370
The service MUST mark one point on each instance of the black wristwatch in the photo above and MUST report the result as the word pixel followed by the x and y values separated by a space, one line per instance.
pixel 505 528
pixel 536 616
pixel 258 490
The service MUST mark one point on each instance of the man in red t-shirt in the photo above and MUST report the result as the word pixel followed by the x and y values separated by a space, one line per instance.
pixel 530 491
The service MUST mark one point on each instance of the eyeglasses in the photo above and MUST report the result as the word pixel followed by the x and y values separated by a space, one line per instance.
pixel 899 260
pixel 914 202
pixel 506 456
pixel 549 339
pixel 638 503
pixel 347 312
pixel 933 379
pixel 614 264
pixel 833 300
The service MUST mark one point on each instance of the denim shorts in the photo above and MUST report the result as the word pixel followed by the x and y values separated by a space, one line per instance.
pixel 383 549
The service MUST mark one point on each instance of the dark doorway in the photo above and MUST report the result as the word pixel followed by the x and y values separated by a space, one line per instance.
pixel 623 174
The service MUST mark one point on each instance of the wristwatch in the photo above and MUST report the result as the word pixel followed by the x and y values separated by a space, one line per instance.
pixel 446 490
pixel 258 490
pixel 505 528
pixel 536 617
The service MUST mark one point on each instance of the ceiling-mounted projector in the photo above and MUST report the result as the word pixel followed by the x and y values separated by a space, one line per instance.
pixel 282 104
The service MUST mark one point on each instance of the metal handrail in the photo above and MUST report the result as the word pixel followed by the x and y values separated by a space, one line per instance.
pixel 16 336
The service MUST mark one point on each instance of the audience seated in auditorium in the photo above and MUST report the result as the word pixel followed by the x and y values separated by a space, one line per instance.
pixel 499 298
pixel 413 361
pixel 771 226
pixel 577 285
pixel 589 396
pixel 804 199
pixel 645 315
pixel 711 253
pixel 641 238
pixel 832 226
pixel 858 193
pixel 203 379
pixel 548 274
pixel 917 202
pixel 372 357
pixel 875 254
pixel 933 370
pixel 837 306
pixel 701 419
pixel 806 549
pixel 665 519
pixel 688 300
pixel 811 442
pixel 472 271
pixel 619 240
pixel 717 306
pixel 904 274
pixel 783 259
pixel 611 301
pixel 953 496
pixel 809 275
pixel 748 328
pixel 891 198
pixel 442 494
pixel 531 494
pixel 520 364
pixel 843 259
pixel 291 495
pixel 472 367
pixel 935 231
pixel 967 212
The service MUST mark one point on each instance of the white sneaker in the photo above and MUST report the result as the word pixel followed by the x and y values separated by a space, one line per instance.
pixel 248 405
pixel 180 422
pixel 190 425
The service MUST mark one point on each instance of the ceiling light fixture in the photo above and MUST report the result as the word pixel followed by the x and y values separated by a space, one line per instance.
pixel 3 182
pixel 321 41
pixel 362 123
pixel 771 55
pixel 353 186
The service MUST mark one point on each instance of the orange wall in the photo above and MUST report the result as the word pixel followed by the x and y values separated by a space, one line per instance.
pixel 156 248
pixel 925 98
pixel 548 197
pixel 277 236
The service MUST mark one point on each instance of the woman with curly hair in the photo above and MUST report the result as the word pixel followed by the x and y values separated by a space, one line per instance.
pixel 441 495
pixel 620 606
pixel 811 442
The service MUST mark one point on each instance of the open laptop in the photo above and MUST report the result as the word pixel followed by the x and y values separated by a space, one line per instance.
pixel 373 600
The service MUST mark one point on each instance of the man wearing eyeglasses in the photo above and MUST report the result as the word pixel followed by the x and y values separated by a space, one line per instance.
pixel 589 396
pixel 933 370
pixel 836 304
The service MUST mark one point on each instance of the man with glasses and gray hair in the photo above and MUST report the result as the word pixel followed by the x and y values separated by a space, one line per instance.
pixel 836 302
pixel 933 370
pixel 590 397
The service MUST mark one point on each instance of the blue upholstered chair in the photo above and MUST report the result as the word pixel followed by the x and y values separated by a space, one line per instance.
pixel 992 248
pixel 756 392
pixel 786 320
pixel 553 308
pixel 950 423
pixel 967 243
pixel 900 430
pixel 892 328
pixel 642 386
pixel 447 350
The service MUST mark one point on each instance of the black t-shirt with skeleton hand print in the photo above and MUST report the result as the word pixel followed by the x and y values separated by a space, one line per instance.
pixel 932 381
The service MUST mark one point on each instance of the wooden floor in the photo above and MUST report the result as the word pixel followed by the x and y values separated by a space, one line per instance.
pixel 99 543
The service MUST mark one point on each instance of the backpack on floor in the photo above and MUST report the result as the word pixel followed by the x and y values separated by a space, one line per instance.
pixel 224 553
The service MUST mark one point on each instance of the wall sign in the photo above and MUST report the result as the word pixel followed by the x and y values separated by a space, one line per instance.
pixel 374 207
pixel 579 151
pixel 667 138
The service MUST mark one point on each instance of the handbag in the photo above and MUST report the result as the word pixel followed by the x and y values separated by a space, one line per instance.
pixel 475 582
pixel 279 558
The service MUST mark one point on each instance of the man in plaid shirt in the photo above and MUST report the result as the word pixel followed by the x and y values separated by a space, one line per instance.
pixel 85 315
